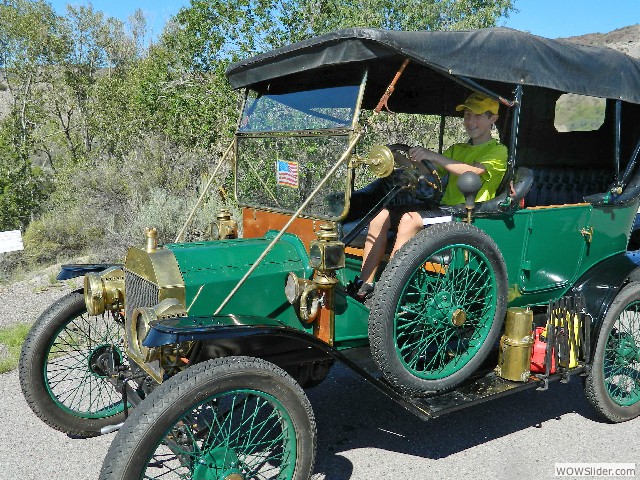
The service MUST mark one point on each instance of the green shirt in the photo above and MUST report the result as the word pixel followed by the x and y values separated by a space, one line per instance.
pixel 492 155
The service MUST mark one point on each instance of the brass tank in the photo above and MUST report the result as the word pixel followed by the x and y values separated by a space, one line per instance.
pixel 514 358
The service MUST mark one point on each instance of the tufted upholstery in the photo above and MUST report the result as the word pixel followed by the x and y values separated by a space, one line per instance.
pixel 559 186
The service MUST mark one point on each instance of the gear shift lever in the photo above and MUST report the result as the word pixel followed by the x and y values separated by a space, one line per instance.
pixel 469 184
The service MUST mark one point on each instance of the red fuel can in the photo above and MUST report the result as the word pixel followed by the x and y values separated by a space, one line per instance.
pixel 539 350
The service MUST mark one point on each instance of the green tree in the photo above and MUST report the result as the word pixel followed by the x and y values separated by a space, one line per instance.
pixel 127 129
pixel 22 187
pixel 212 31
pixel 97 46
pixel 30 40
pixel 326 15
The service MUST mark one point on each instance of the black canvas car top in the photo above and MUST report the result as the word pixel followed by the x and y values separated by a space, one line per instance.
pixel 492 54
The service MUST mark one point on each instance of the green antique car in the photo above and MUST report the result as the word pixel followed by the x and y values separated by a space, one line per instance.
pixel 204 348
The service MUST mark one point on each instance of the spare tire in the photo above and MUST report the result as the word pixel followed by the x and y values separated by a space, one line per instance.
pixel 438 308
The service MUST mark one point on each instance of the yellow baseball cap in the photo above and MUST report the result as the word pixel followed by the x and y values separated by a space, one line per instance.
pixel 479 103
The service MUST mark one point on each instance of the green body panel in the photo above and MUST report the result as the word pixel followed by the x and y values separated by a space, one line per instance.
pixel 352 266
pixel 351 322
pixel 210 271
pixel 611 231
pixel 352 318
pixel 553 249
pixel 545 250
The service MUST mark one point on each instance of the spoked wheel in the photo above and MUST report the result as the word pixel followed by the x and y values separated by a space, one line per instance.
pixel 65 364
pixel 438 308
pixel 234 418
pixel 613 386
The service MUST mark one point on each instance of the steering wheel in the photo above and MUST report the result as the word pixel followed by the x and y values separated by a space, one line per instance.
pixel 425 176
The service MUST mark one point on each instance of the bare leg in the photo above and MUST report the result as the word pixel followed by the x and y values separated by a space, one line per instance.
pixel 410 224
pixel 375 245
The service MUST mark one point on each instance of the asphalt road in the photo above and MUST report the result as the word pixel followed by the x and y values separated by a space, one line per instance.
pixel 363 435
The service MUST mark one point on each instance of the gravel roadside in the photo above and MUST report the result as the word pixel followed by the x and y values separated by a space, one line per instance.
pixel 24 301
pixel 29 449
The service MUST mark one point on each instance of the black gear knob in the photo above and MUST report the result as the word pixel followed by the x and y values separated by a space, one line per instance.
pixel 469 184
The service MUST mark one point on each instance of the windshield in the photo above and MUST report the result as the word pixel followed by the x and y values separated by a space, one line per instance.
pixel 280 172
pixel 326 108
pixel 287 143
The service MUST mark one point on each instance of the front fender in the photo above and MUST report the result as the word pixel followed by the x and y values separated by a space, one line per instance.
pixel 78 270
pixel 231 335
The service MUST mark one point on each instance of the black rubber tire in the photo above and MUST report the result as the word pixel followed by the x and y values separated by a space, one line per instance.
pixel 37 369
pixel 634 276
pixel 207 383
pixel 386 309
pixel 596 383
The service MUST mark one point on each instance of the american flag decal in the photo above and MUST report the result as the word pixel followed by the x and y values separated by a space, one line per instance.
pixel 287 173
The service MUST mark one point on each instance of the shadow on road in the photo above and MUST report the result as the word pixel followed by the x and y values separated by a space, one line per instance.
pixel 352 414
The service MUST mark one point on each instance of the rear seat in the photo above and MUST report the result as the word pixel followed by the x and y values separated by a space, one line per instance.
pixel 560 186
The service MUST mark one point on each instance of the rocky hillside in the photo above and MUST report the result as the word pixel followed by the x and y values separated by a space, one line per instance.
pixel 625 39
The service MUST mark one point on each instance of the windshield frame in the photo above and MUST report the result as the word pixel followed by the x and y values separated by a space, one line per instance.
pixel 292 105
pixel 347 131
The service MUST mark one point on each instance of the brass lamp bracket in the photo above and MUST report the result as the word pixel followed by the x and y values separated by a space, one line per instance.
pixel 587 233
pixel 299 291
pixel 307 314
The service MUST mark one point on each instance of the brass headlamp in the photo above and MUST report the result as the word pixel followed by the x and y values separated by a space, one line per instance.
pixel 139 323
pixel 104 291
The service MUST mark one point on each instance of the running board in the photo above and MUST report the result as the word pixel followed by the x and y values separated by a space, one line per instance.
pixel 472 392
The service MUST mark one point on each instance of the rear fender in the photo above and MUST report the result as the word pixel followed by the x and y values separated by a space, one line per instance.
pixel 600 285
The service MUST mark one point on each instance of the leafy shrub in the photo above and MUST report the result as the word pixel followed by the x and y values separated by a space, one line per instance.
pixel 58 235
pixel 23 187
